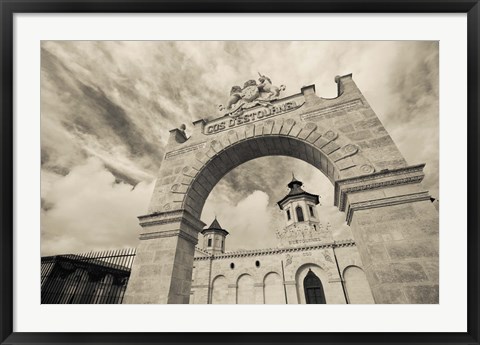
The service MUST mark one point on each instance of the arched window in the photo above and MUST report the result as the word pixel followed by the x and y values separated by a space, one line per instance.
pixel 299 214
pixel 313 289
pixel 288 215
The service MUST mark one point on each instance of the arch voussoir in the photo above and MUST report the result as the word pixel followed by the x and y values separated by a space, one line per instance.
pixel 345 151
pixel 313 136
pixel 287 126
pixel 232 136
pixel 249 131
pixel 267 129
pixel 295 130
pixel 331 147
pixel 216 145
pixel 307 130
pixel 202 157
pixel 259 129
pixel 210 153
pixel 277 127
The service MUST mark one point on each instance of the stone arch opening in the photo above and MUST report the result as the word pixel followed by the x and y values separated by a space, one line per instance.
pixel 335 161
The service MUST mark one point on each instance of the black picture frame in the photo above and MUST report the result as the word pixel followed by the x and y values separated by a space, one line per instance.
pixel 9 8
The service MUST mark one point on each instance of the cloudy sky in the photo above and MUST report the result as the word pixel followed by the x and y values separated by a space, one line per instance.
pixel 107 108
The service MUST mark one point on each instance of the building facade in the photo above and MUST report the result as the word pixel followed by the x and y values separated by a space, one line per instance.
pixel 307 266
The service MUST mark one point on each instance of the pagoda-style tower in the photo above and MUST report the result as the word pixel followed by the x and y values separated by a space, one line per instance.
pixel 298 205
pixel 301 217
pixel 214 238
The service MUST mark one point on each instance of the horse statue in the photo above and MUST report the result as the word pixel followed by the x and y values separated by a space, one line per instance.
pixel 266 87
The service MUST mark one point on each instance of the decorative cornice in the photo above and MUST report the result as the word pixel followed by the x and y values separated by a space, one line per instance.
pixel 169 233
pixel 382 179
pixel 202 251
pixel 177 216
pixel 185 150
pixel 395 200
pixel 275 251
pixel 383 173
pixel 160 214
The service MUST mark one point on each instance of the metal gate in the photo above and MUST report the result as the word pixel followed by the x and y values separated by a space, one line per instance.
pixel 92 278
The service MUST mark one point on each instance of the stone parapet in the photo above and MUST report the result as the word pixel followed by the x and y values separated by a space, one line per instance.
pixel 275 251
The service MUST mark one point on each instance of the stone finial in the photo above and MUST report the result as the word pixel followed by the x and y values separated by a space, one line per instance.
pixel 178 135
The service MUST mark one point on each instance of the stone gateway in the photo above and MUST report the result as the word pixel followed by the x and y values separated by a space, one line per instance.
pixel 394 224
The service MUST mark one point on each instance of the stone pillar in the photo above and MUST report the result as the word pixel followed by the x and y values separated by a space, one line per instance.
pixel 291 288
pixel 232 294
pixel 395 227
pixel 259 295
pixel 162 270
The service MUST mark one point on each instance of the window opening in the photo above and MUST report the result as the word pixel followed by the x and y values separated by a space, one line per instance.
pixel 300 214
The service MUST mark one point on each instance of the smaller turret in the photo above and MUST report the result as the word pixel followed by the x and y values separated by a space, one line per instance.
pixel 214 238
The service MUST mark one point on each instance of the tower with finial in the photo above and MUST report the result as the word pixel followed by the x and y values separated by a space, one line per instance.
pixel 298 205
pixel 302 223
pixel 214 238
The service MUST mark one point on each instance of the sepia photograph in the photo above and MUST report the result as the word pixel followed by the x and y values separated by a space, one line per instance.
pixel 239 172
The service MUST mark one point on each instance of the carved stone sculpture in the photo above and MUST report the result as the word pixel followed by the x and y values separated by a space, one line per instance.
pixel 251 95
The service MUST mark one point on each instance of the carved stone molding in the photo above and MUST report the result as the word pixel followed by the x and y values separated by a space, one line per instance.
pixel 169 233
pixel 382 179
pixel 181 217
pixel 184 150
pixel 396 200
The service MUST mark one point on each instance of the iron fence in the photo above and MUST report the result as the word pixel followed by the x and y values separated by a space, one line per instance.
pixel 92 278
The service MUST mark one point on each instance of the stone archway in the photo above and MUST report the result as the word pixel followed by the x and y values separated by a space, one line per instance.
pixel 393 222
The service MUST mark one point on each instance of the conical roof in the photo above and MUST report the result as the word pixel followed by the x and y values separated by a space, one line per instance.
pixel 215 224
pixel 296 191
pixel 215 227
